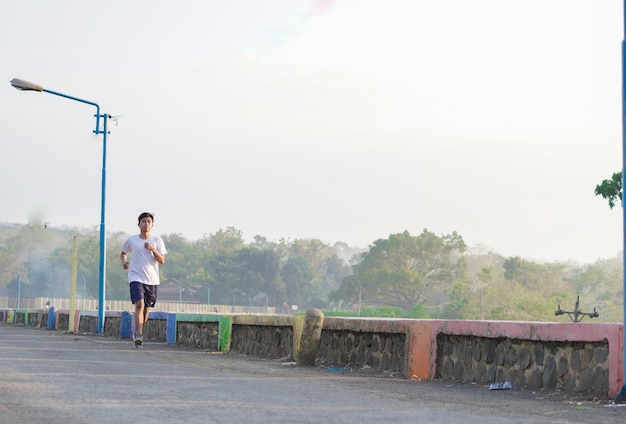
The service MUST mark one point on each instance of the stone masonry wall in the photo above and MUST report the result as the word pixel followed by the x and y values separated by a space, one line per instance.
pixel 569 366
pixel 63 322
pixel 584 359
pixel 89 324
pixel 20 317
pixel 384 351
pixel 36 319
pixel 267 342
pixel 155 330
pixel 202 335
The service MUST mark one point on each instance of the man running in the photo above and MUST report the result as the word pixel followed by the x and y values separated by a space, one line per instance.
pixel 147 252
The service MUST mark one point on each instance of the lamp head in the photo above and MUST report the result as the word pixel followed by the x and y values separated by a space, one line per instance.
pixel 25 85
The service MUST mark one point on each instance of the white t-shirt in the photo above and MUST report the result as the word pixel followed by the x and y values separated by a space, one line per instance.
pixel 143 265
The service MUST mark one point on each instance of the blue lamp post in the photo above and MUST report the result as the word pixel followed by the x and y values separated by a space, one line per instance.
pixel 29 86
pixel 621 395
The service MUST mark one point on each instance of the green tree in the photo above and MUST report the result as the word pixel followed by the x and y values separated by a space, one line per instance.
pixel 336 271
pixel 179 256
pixel 349 292
pixel 257 272
pixel 407 271
pixel 459 304
pixel 116 277
pixel 298 277
pixel 598 285
pixel 484 277
pixel 225 285
pixel 531 290
pixel 226 241
pixel 611 189
pixel 317 263
pixel 209 264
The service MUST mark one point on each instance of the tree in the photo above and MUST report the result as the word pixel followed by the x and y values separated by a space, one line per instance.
pixel 297 276
pixel 256 272
pixel 611 189
pixel 531 290
pixel 226 241
pixel 484 279
pixel 516 268
pixel 208 263
pixel 350 291
pixel 179 257
pixel 313 266
pixel 599 285
pixel 336 271
pixel 433 275
pixel 116 277
pixel 407 271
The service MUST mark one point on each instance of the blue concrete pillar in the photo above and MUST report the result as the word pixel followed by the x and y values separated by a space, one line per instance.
pixel 125 324
pixel 171 328
pixel 52 319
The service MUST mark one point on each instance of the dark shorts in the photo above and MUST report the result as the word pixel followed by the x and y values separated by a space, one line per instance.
pixel 140 291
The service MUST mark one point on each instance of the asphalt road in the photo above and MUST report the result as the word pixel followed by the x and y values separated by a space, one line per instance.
pixel 53 377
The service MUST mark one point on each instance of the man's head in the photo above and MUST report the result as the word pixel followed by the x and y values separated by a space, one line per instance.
pixel 145 215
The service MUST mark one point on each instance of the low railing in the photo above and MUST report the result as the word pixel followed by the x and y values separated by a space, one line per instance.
pixel 125 305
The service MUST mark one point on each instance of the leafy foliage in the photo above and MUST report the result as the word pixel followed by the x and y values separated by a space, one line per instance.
pixel 408 271
pixel 404 276
pixel 611 189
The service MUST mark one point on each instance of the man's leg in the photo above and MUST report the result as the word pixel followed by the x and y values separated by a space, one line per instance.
pixel 137 298
pixel 139 317
pixel 149 299
pixel 139 323
pixel 146 313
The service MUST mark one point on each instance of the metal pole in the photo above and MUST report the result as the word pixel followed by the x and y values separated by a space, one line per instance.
pixel 72 317
pixel 19 288
pixel 102 274
pixel 621 396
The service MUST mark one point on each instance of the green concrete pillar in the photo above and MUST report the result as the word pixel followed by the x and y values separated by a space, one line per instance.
pixel 310 340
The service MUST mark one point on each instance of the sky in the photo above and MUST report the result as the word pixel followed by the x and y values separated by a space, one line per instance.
pixel 345 120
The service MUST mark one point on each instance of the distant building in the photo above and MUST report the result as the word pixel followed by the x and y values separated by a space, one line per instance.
pixel 173 290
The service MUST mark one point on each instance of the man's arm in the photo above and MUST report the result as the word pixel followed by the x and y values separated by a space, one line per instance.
pixel 124 261
pixel 159 258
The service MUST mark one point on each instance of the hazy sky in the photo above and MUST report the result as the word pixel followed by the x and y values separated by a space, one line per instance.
pixel 338 120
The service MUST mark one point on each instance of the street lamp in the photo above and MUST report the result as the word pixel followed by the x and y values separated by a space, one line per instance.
pixel 29 86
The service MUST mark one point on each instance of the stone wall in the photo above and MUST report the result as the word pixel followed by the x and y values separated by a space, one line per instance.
pixel 37 319
pixel 63 322
pixel 203 335
pixel 155 330
pixel 111 326
pixel 570 366
pixel 266 342
pixel 577 358
pixel 89 324
pixel 384 351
